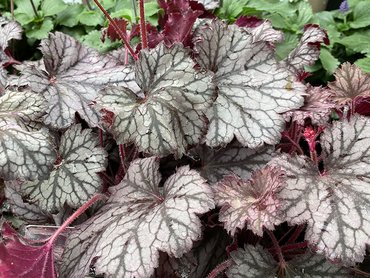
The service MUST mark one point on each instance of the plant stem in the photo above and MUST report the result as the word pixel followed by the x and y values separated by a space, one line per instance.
pixel 144 35
pixel 12 8
pixel 276 246
pixel 134 8
pixel 117 29
pixel 76 214
pixel 34 8
pixel 219 268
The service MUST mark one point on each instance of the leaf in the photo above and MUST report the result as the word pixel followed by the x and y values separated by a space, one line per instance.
pixel 3 79
pixel 334 203
pixel 233 159
pixel 91 18
pixel 317 106
pixel 19 260
pixel 210 4
pixel 74 75
pixel 251 262
pixel 9 30
pixel 313 265
pixel 328 61
pixel 350 83
pixel 140 219
pixel 257 262
pixel 357 42
pixel 41 31
pixel 205 255
pixel 168 116
pixel 361 15
pixel 286 46
pixel 254 202
pixel 364 64
pixel 308 49
pixel 25 152
pixel 28 212
pixel 251 86
pixel 53 7
pixel 75 178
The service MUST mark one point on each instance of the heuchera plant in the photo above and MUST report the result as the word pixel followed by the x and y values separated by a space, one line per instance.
pixel 194 153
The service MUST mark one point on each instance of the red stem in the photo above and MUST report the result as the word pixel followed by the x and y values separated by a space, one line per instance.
pixel 276 246
pixel 101 138
pixel 76 214
pixel 298 147
pixel 293 246
pixel 122 155
pixel 286 234
pixel 296 234
pixel 219 268
pixel 117 29
pixel 144 35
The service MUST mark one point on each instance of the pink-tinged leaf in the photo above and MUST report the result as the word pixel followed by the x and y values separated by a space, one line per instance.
pixel 249 21
pixel 26 151
pixel 234 159
pixel 168 115
pixel 71 80
pixel 252 86
pixel 140 219
pixel 30 213
pixel 335 204
pixel 253 202
pixel 254 261
pixel 350 83
pixel 9 30
pixel 317 106
pixel 308 49
pixel 20 260
pixel 74 179
pixel 264 32
pixel 3 79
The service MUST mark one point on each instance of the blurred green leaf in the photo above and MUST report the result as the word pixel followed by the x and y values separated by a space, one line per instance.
pixel 52 7
pixel 361 15
pixel 69 17
pixel 284 48
pixel 328 61
pixel 364 64
pixel 40 31
pixel 357 42
pixel 91 18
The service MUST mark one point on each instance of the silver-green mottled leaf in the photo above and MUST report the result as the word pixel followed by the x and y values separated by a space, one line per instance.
pixel 336 203
pixel 74 75
pixel 75 178
pixel 233 159
pixel 139 220
pixel 169 114
pixel 311 265
pixel 25 151
pixel 252 262
pixel 27 212
pixel 210 4
pixel 8 30
pixel 256 262
pixel 253 89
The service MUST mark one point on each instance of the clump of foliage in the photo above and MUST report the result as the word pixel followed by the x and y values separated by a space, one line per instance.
pixel 348 29
pixel 196 153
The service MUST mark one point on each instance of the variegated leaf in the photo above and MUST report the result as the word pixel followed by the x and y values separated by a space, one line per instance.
pixel 169 115
pixel 253 89
pixel 233 159
pixel 140 219
pixel 74 75
pixel 210 4
pixel 335 204
pixel 75 178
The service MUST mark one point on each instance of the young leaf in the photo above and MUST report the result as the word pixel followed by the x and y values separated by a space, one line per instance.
pixel 233 159
pixel 75 178
pixel 28 212
pixel 254 261
pixel 253 201
pixel 252 86
pixel 308 49
pixel 74 75
pixel 350 83
pixel 169 114
pixel 335 203
pixel 19 260
pixel 139 220
pixel 25 152
pixel 317 106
